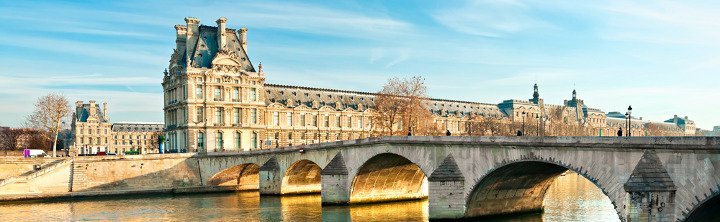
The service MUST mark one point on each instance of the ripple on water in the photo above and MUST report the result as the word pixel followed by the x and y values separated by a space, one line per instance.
pixel 570 198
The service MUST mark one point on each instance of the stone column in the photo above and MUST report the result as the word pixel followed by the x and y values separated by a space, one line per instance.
pixel 446 195
pixel 270 178
pixel 650 191
pixel 335 189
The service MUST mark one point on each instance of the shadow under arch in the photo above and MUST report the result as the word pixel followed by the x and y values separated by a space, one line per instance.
pixel 303 176
pixel 388 177
pixel 244 176
pixel 706 210
pixel 515 188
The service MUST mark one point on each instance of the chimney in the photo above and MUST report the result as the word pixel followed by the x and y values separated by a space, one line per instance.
pixel 221 38
pixel 91 110
pixel 105 110
pixel 243 38
pixel 181 38
pixel 192 29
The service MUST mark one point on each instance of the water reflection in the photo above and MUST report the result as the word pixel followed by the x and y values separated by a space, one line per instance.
pixel 570 198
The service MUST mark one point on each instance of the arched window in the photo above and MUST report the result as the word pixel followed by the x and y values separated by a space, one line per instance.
pixel 219 140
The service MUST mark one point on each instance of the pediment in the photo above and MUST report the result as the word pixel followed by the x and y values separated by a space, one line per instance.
pixel 326 108
pixel 225 60
pixel 302 107
pixel 276 105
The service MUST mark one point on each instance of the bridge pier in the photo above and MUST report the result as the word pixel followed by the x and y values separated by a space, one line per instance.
pixel 446 194
pixel 270 178
pixel 650 191
pixel 334 182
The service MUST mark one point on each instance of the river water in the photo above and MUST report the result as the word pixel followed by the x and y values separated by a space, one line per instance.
pixel 570 198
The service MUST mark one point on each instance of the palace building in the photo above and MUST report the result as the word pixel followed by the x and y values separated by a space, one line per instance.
pixel 92 132
pixel 216 100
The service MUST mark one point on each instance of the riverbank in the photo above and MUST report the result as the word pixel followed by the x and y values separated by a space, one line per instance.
pixel 9 198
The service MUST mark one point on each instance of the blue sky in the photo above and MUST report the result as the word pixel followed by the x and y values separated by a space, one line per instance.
pixel 661 57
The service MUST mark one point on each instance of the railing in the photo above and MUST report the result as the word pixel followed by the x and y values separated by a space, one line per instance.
pixel 218 99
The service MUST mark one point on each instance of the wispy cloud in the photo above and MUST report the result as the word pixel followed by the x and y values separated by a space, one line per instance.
pixel 490 18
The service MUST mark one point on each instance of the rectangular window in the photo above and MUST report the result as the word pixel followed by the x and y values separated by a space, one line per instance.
pixel 219 140
pixel 218 93
pixel 198 79
pixel 199 92
pixel 302 119
pixel 254 140
pixel 253 116
pixel 315 120
pixel 89 140
pixel 327 121
pixel 237 140
pixel 218 115
pixel 201 141
pixel 337 122
pixel 236 94
pixel 276 119
pixel 349 122
pixel 289 119
pixel 253 96
pixel 236 115
pixel 359 120
pixel 199 114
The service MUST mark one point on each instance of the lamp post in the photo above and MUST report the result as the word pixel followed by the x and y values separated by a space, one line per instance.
pixel 523 126
pixel 629 114
pixel 538 125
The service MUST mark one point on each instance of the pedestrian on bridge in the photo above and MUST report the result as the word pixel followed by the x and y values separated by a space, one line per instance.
pixel 620 131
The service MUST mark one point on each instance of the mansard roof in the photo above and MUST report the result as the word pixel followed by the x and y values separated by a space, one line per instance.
pixel 204 49
pixel 294 96
pixel 82 113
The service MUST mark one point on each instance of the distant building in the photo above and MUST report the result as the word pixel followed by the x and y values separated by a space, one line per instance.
pixel 136 136
pixel 92 132
pixel 91 128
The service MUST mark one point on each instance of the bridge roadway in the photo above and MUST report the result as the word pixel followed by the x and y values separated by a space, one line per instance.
pixel 665 178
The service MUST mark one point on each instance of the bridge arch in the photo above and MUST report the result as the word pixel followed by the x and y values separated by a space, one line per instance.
pixel 303 176
pixel 244 176
pixel 517 187
pixel 705 210
pixel 388 177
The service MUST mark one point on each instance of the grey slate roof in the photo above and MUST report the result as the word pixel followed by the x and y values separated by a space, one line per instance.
pixel 206 48
pixel 294 96
pixel 83 112
pixel 649 175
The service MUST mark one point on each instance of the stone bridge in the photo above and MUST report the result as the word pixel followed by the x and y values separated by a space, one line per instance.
pixel 665 178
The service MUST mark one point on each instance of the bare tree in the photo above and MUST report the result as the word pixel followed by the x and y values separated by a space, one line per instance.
pixel 50 111
pixel 401 104
pixel 653 129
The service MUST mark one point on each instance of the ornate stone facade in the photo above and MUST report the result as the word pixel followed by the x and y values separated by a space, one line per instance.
pixel 92 132
pixel 215 100
pixel 90 128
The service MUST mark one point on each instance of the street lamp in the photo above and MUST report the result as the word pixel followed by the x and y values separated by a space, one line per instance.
pixel 629 113
pixel 538 125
